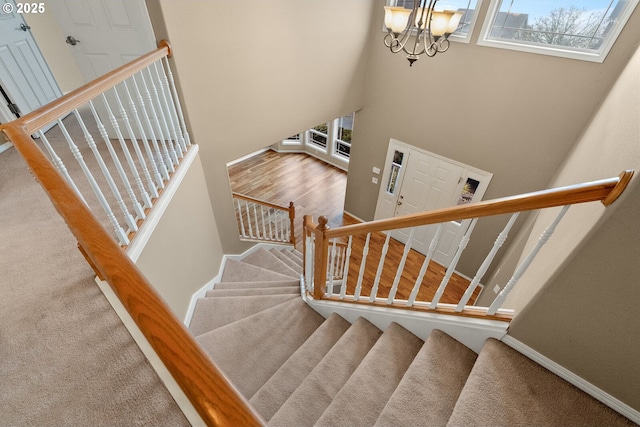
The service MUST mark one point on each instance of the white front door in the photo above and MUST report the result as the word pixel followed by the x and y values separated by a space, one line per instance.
pixel 104 34
pixel 429 183
pixel 417 181
pixel 24 74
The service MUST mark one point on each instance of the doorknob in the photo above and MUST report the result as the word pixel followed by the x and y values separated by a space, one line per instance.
pixel 72 40
pixel 24 27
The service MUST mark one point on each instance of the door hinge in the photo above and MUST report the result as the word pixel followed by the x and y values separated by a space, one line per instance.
pixel 14 109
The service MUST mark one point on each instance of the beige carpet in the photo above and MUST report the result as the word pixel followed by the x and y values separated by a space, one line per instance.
pixel 65 357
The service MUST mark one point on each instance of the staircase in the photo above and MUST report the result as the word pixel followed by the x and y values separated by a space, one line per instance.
pixel 297 368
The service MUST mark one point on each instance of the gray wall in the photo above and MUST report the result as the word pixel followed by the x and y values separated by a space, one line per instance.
pixel 254 75
pixel 514 114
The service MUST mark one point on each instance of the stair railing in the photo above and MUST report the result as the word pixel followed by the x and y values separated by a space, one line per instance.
pixel 263 221
pixel 157 138
pixel 320 254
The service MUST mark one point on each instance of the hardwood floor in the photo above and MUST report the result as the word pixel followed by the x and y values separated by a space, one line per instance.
pixel 317 188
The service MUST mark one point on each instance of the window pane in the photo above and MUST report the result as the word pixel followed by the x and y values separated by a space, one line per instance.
pixel 345 126
pixel 571 25
pixel 318 135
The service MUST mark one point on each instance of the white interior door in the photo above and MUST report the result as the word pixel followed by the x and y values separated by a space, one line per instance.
pixel 24 73
pixel 107 33
pixel 416 181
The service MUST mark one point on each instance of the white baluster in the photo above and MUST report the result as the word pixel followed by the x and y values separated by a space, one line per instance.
pixel 248 211
pixel 155 131
pixel 452 267
pixel 176 99
pixel 425 265
pixel 309 261
pixel 332 266
pixel 345 274
pixel 502 237
pixel 522 268
pixel 383 256
pixel 107 175
pixel 270 213
pixel 277 225
pixel 264 228
pixel 403 260
pixel 159 115
pixel 365 253
pixel 169 110
pixel 244 233
pixel 136 148
pixel 145 143
pixel 120 234
pixel 255 220
pixel 123 176
pixel 59 164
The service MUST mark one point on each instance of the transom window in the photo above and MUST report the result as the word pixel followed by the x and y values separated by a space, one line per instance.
pixel 579 29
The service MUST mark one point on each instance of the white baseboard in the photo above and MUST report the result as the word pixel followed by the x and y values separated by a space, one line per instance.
pixel 4 147
pixel 593 391
pixel 165 376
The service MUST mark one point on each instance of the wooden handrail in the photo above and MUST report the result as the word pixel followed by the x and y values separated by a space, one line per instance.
pixel 210 392
pixel 606 191
pixel 260 202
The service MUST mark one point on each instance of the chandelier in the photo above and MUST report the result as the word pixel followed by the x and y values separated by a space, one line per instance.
pixel 430 27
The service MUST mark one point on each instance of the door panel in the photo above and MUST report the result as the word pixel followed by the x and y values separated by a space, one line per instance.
pixel 24 73
pixel 430 183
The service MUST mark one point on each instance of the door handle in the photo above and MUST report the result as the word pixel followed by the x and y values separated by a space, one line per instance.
pixel 72 40
pixel 24 27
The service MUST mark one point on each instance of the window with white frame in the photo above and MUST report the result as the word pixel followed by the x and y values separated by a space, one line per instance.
pixel 469 7
pixel 344 127
pixel 318 136
pixel 578 29
pixel 332 138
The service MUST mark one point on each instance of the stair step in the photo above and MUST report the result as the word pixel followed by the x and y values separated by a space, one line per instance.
pixel 363 397
pixel 249 351
pixel 429 389
pixel 507 388
pixel 295 255
pixel 255 285
pixel 281 255
pixel 291 290
pixel 316 392
pixel 284 382
pixel 265 259
pixel 238 271
pixel 212 313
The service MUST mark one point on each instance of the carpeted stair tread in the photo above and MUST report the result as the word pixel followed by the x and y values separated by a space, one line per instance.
pixel 265 259
pixel 363 397
pixel 238 271
pixel 429 389
pixel 287 260
pixel 508 389
pixel 316 392
pixel 255 285
pixel 295 256
pixel 249 351
pixel 212 313
pixel 216 293
pixel 284 382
